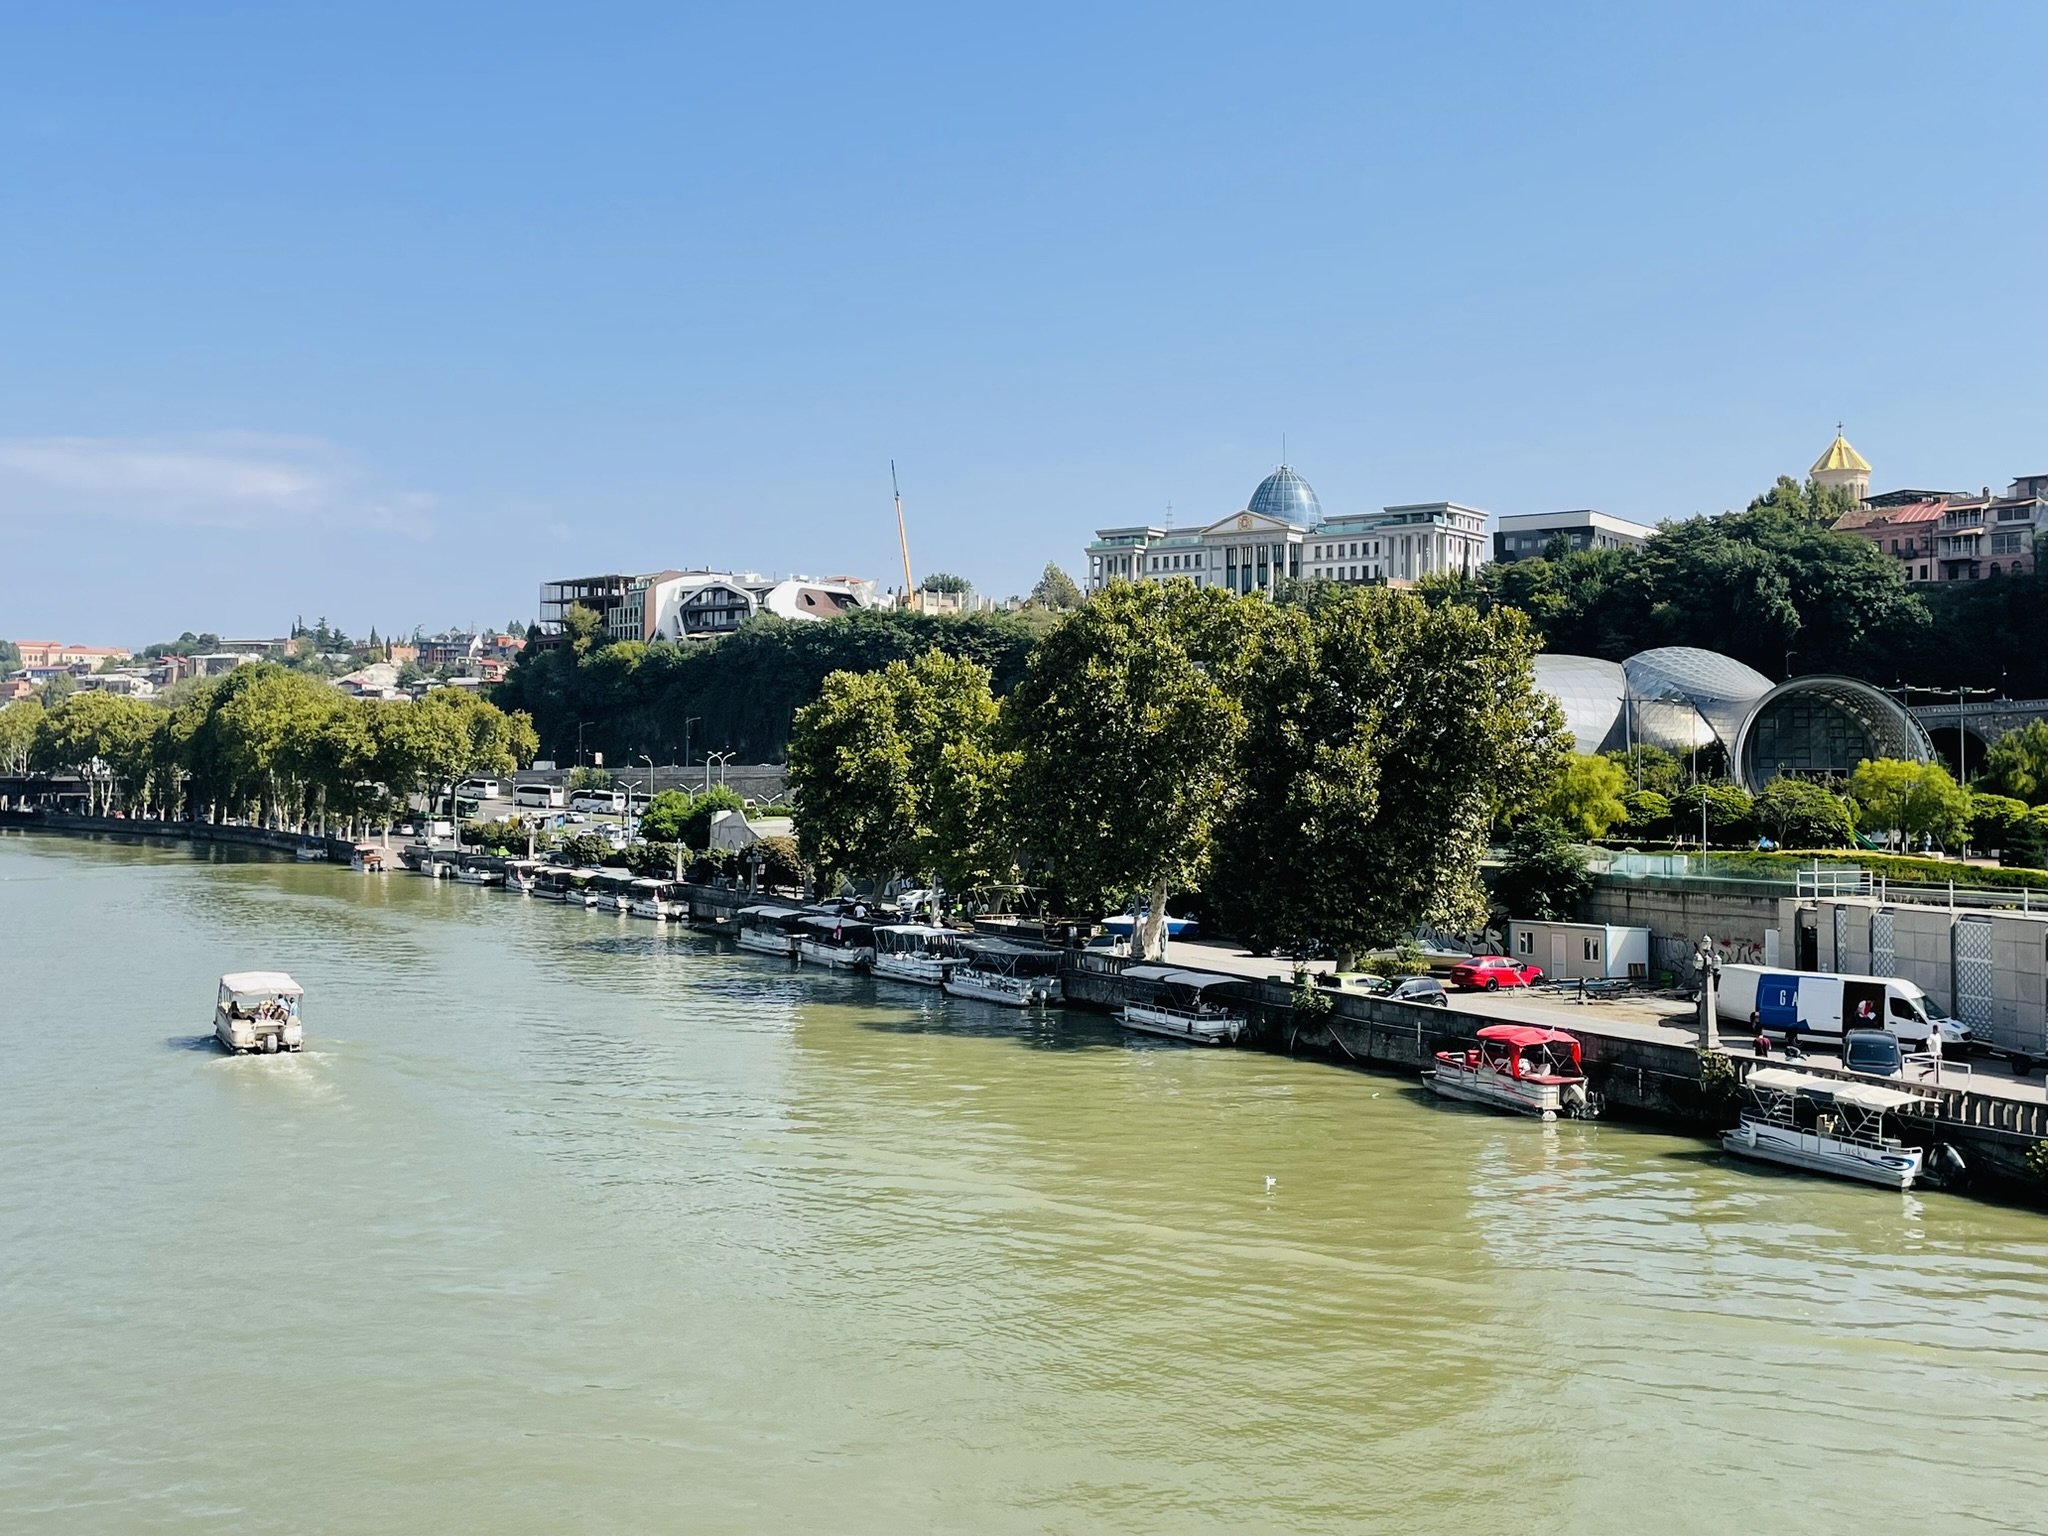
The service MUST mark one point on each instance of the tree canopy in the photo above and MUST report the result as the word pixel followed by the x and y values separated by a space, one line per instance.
pixel 1382 739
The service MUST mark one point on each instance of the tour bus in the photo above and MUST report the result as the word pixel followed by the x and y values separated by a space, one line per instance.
pixel 608 801
pixel 1818 1003
pixel 540 797
pixel 478 789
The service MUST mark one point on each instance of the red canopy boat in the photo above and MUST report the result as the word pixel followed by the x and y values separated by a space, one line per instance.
pixel 1523 1067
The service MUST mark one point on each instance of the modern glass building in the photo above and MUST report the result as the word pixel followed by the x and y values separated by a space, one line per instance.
pixel 1684 699
pixel 1285 495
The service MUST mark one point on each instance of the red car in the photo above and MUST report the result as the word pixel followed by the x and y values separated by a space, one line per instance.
pixel 1489 973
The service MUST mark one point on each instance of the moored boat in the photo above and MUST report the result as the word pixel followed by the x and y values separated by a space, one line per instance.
pixel 520 875
pixel 835 940
pixel 609 890
pixel 1178 1004
pixel 555 882
pixel 474 871
pixel 259 1011
pixel 368 859
pixel 1006 973
pixel 916 952
pixel 1520 1067
pixel 1825 1125
pixel 768 930
pixel 657 899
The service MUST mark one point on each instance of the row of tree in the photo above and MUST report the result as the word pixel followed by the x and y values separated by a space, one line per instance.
pixel 1643 794
pixel 739 693
pixel 1328 769
pixel 267 744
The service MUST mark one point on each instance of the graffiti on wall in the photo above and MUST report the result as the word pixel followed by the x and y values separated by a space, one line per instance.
pixel 1676 953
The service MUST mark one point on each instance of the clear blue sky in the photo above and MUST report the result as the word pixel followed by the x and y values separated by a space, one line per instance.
pixel 389 313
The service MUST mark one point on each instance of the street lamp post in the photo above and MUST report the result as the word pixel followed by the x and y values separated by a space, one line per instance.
pixel 723 758
pixel 692 720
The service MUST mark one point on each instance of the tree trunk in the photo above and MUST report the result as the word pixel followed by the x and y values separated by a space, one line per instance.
pixel 1155 922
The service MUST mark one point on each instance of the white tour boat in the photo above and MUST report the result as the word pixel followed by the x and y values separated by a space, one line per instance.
pixel 835 940
pixel 474 872
pixel 367 859
pixel 1825 1125
pixel 916 952
pixel 521 874
pixel 658 899
pixel 259 1011
pixel 1519 1067
pixel 1008 974
pixel 310 853
pixel 555 882
pixel 1173 1002
pixel 768 930
pixel 609 890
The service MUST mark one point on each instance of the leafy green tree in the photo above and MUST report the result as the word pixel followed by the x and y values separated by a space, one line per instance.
pixel 1056 589
pixel 1996 820
pixel 662 821
pixel 2017 764
pixel 947 582
pixel 90 731
pixel 1652 768
pixel 585 628
pixel 1127 723
pixel 57 689
pixel 10 655
pixel 1912 799
pixel 1798 813
pixel 1543 878
pixel 18 724
pixel 1729 810
pixel 1649 813
pixel 1383 738
pixel 586 850
pixel 1586 797
pixel 850 778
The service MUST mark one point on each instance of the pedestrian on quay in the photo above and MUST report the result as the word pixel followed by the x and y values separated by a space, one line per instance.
pixel 1934 1050
pixel 1763 1041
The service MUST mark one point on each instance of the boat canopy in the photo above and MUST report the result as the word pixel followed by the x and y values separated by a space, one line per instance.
pixel 1168 975
pixel 1009 958
pixel 247 983
pixel 1526 1034
pixel 834 926
pixel 913 938
pixel 1863 1095
pixel 768 917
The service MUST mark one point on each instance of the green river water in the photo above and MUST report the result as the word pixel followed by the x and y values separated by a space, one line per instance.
pixel 566 1222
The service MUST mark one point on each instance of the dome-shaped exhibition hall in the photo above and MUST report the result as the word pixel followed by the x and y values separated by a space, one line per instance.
pixel 1684 699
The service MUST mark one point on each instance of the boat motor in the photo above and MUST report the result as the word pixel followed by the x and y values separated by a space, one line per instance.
pixel 1943 1166
pixel 1579 1103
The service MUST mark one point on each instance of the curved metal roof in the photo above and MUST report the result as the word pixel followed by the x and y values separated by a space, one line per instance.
pixel 1712 695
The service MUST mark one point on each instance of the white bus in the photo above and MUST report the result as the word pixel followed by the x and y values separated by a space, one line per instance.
pixel 478 789
pixel 540 797
pixel 606 801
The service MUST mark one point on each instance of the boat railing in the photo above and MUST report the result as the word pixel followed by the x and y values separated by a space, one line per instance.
pixel 1964 1106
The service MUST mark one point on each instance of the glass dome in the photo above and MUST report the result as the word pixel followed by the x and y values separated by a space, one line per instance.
pixel 1285 495
pixel 1589 691
pixel 1681 697
pixel 1811 726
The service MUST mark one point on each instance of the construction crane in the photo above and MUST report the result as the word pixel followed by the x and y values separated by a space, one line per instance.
pixel 902 537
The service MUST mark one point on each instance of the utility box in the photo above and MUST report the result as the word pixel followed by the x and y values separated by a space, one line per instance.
pixel 1581 951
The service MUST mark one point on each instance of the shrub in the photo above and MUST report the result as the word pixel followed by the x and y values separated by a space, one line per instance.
pixel 1544 876
pixel 1798 813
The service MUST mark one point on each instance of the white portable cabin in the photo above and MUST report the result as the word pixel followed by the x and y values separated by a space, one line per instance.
pixel 1581 951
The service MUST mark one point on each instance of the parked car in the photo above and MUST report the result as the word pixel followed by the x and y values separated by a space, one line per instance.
pixel 1873 1053
pixel 1489 973
pixel 1418 989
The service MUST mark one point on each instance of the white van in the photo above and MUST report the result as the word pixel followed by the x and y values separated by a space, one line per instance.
pixel 1817 1003
pixel 478 789
pixel 540 797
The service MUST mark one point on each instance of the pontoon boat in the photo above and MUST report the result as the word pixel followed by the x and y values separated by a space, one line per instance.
pixel 1825 1125
pixel 658 899
pixel 835 940
pixel 258 1011
pixel 1164 1000
pixel 1006 973
pixel 1519 1067
pixel 916 952
pixel 768 930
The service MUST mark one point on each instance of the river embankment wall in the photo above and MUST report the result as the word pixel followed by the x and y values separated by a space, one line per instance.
pixel 337 849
